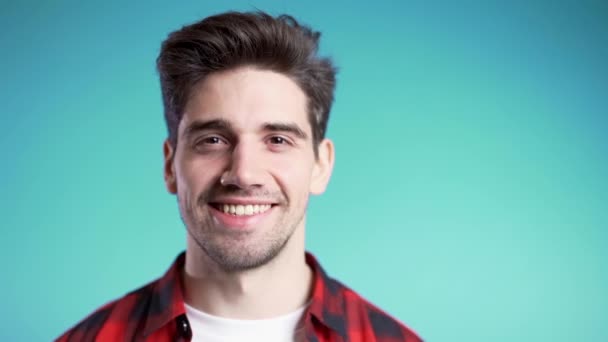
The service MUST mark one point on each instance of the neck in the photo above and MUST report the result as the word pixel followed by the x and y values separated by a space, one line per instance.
pixel 277 288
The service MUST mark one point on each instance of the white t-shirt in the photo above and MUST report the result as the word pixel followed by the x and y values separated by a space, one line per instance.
pixel 209 328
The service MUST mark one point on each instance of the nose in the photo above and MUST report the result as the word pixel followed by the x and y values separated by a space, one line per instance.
pixel 245 169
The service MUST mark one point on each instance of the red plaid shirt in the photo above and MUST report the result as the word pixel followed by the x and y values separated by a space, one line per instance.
pixel 156 313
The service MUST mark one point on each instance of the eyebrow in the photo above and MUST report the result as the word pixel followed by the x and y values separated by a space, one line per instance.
pixel 198 126
pixel 223 125
pixel 285 127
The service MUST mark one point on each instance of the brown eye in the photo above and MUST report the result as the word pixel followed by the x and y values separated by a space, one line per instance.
pixel 277 140
pixel 212 140
pixel 210 143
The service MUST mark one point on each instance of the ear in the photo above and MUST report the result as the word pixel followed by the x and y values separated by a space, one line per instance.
pixel 169 169
pixel 324 165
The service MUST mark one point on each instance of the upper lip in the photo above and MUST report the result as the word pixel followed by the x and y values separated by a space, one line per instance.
pixel 241 200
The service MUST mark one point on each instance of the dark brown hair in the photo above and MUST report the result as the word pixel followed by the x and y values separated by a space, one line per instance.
pixel 233 39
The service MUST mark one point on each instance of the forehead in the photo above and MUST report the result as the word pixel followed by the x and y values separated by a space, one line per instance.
pixel 247 98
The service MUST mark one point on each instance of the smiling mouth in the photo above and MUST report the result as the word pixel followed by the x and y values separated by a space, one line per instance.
pixel 242 209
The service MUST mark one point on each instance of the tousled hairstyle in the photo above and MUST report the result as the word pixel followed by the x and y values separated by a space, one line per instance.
pixel 234 39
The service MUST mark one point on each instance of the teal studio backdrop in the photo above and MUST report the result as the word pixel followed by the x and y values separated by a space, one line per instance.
pixel 469 198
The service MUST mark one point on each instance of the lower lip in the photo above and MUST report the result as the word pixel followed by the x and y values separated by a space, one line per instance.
pixel 239 222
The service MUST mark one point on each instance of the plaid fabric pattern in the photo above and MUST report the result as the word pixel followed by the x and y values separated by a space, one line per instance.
pixel 155 313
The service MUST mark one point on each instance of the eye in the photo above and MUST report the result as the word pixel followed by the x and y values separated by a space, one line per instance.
pixel 278 143
pixel 211 140
pixel 277 140
pixel 210 143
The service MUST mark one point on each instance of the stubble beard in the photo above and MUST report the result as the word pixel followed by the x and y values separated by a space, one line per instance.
pixel 238 251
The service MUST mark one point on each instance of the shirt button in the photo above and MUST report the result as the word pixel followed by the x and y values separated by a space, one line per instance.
pixel 184 327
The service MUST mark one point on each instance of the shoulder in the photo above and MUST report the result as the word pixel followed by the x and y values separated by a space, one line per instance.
pixel 117 318
pixel 363 315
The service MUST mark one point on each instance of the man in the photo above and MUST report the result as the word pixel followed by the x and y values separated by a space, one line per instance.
pixel 247 102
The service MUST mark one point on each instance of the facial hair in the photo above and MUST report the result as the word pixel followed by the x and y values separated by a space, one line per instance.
pixel 236 251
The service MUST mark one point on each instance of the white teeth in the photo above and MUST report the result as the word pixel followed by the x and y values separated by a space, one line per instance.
pixel 248 209
pixel 244 210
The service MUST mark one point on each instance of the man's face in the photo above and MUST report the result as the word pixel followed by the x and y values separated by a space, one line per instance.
pixel 244 166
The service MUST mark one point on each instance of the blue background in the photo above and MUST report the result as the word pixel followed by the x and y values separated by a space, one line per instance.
pixel 469 198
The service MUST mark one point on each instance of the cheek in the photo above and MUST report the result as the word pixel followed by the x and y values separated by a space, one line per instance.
pixel 294 176
pixel 195 174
